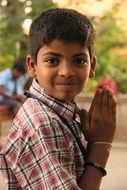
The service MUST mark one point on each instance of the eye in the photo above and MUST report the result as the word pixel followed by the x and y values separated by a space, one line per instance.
pixel 81 61
pixel 52 61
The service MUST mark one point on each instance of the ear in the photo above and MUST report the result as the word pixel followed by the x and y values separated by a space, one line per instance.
pixel 31 65
pixel 93 66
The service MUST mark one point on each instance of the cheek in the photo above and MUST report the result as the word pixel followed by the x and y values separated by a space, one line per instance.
pixel 84 75
pixel 44 75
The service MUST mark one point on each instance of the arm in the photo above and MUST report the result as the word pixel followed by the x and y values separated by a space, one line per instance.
pixel 9 96
pixel 100 124
pixel 42 162
pixel 9 178
pixel 40 166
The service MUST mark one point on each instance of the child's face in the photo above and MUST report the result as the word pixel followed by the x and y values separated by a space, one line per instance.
pixel 62 68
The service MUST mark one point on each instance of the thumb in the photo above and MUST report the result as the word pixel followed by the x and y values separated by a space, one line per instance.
pixel 84 117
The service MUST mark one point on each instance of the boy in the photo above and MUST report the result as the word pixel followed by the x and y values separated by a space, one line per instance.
pixel 43 149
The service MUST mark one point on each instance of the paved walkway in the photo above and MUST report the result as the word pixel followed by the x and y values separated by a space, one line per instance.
pixel 117 169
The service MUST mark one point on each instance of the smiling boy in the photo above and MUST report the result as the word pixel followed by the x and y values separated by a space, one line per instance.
pixel 62 68
pixel 42 151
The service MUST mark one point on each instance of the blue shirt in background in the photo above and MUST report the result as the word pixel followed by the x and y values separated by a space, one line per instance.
pixel 6 80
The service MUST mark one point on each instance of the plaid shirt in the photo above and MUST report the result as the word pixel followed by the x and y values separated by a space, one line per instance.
pixel 40 152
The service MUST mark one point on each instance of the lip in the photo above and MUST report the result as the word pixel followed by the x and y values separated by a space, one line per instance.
pixel 67 86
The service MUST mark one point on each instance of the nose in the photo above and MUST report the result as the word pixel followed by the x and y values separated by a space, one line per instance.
pixel 66 70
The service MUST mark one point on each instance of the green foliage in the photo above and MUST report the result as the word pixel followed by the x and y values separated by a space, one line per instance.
pixel 6 62
pixel 11 31
pixel 119 73
pixel 91 86
pixel 110 36
pixel 40 6
pixel 13 41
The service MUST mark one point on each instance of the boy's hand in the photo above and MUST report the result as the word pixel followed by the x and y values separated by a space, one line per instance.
pixel 99 123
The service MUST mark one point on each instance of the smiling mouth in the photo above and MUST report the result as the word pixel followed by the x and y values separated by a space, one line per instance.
pixel 67 86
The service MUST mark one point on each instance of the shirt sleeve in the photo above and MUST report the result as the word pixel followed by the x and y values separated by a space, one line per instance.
pixel 21 84
pixel 10 180
pixel 2 81
pixel 46 162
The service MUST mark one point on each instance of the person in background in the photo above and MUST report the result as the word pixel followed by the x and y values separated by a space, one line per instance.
pixel 52 144
pixel 12 82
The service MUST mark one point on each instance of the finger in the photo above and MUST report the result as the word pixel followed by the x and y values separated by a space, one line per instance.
pixel 95 105
pixel 114 109
pixel 87 124
pixel 82 114
pixel 105 100
pixel 111 105
pixel 84 117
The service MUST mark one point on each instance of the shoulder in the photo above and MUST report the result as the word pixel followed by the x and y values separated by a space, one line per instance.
pixel 32 115
pixel 32 123
pixel 6 72
pixel 5 76
pixel 31 118
pixel 22 80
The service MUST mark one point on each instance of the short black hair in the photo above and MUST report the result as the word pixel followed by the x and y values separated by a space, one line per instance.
pixel 63 24
pixel 20 65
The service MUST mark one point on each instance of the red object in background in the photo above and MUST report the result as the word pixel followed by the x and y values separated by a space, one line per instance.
pixel 110 83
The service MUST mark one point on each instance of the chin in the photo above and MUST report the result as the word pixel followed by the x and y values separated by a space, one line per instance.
pixel 65 98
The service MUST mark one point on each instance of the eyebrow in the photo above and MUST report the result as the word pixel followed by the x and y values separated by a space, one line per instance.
pixel 59 55
pixel 53 53
pixel 80 54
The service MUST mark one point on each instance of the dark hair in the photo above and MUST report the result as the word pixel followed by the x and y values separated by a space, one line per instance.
pixel 20 65
pixel 63 24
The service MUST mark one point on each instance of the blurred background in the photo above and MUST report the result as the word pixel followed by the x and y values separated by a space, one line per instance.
pixel 109 18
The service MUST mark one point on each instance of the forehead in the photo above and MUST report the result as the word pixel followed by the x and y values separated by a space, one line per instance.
pixel 63 47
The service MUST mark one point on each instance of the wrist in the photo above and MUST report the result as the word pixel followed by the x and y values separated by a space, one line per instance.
pixel 105 146
pixel 98 153
pixel 97 167
pixel 103 143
